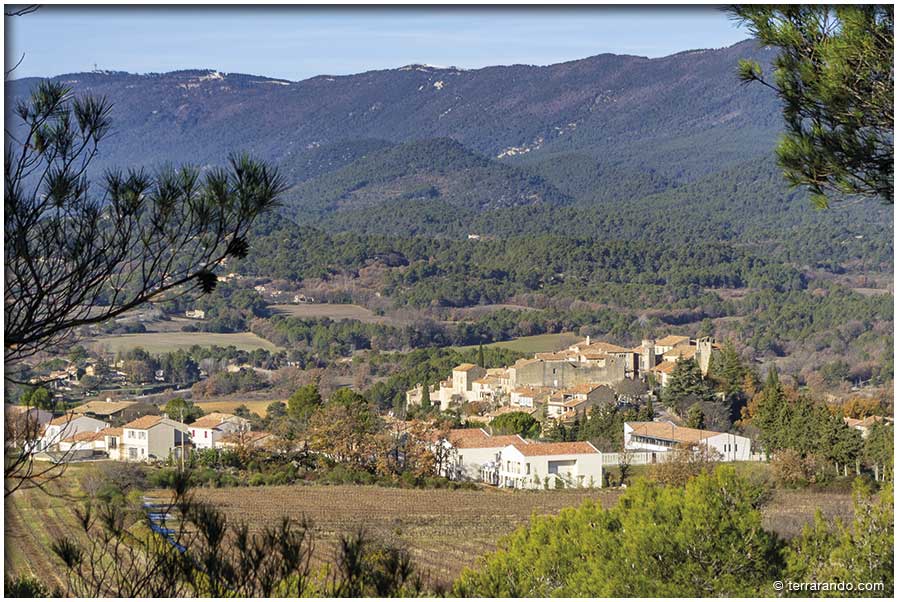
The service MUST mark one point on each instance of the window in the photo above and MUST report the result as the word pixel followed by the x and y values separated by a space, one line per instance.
pixel 205 434
pixel 735 447
pixel 528 467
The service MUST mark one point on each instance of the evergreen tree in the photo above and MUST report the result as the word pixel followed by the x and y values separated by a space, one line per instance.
pixel 480 360
pixel 686 387
pixel 835 76
pixel 425 397
pixel 656 542
pixel 695 418
pixel 303 403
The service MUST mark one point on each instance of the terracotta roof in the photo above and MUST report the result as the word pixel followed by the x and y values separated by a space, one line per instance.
pixel 666 367
pixel 864 422
pixel 556 355
pixel 467 437
pixel 594 355
pixel 525 362
pixel 112 432
pixel 556 449
pixel 84 436
pixel 103 407
pixel 670 432
pixel 532 390
pixel 682 351
pixel 671 340
pixel 574 403
pixel 583 388
pixel 604 347
pixel 61 420
pixel 211 420
pixel 464 367
pixel 503 440
pixel 143 423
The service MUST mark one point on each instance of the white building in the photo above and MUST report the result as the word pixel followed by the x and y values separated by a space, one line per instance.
pixel 152 438
pixel 207 430
pixel 540 465
pixel 472 449
pixel 67 426
pixel 663 436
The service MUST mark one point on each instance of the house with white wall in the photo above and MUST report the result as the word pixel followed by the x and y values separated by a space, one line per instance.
pixel 207 430
pixel 66 426
pixel 538 465
pixel 151 438
pixel 664 436
pixel 473 448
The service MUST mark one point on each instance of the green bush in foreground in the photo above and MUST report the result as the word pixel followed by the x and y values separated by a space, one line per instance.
pixel 704 539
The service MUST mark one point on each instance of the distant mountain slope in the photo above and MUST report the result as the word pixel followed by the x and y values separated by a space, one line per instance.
pixel 677 117
pixel 440 171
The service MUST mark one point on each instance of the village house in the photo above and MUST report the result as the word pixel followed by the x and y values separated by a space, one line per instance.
pixel 530 397
pixel 66 426
pixel 541 465
pixel 578 400
pixel 863 425
pixel 196 314
pixel 664 436
pixel 468 450
pixel 205 431
pixel 152 438
pixel 87 441
pixel 112 442
pixel 116 412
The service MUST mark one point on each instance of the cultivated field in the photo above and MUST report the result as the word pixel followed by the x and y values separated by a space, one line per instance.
pixel 229 406
pixel 448 530
pixel 334 311
pixel 33 520
pixel 445 530
pixel 540 343
pixel 162 342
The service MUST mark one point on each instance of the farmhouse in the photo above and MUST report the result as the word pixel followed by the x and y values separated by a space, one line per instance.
pixel 663 436
pixel 152 438
pixel 540 465
pixel 210 428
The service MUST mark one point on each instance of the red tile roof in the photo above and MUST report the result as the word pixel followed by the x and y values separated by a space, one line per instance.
pixel 557 449
pixel 143 423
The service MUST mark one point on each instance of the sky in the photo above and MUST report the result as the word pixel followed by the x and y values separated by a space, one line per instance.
pixel 299 42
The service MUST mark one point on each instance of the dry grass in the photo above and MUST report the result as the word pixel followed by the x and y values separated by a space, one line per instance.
pixel 228 406
pixel 540 343
pixel 162 342
pixel 789 511
pixel 334 311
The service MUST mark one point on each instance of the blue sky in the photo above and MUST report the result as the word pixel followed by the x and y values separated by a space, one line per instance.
pixel 296 43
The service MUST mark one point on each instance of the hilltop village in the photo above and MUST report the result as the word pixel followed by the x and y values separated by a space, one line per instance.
pixel 564 383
